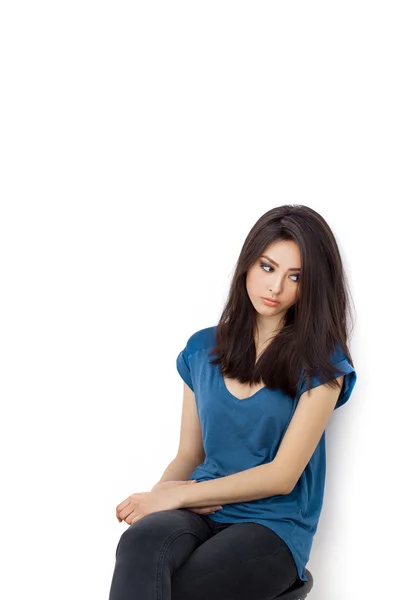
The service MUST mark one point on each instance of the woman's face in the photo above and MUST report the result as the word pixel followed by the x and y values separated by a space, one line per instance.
pixel 275 277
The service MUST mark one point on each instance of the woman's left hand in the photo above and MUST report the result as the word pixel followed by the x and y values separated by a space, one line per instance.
pixel 139 505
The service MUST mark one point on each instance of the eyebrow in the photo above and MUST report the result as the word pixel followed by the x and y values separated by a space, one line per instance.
pixel 276 264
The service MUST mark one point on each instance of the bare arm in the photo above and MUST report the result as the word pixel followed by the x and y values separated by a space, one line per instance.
pixel 190 452
pixel 279 476
pixel 252 484
pixel 179 469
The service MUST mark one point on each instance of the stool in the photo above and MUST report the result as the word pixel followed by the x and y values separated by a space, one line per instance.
pixel 299 590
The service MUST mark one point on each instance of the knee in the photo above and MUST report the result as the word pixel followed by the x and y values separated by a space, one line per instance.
pixel 150 530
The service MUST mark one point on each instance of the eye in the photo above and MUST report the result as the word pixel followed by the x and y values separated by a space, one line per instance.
pixel 265 266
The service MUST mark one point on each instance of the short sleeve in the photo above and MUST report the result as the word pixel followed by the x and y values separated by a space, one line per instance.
pixel 182 364
pixel 342 367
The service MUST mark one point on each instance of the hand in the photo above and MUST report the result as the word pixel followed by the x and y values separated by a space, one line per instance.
pixel 137 506
pixel 128 504
pixel 201 510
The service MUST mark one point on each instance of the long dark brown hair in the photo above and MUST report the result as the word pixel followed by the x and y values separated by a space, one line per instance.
pixel 312 327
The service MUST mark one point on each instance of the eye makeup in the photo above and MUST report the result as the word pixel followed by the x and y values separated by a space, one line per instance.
pixel 263 264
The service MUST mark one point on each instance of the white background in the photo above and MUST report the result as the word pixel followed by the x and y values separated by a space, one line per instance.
pixel 140 141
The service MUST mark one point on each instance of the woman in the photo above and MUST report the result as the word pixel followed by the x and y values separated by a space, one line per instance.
pixel 235 512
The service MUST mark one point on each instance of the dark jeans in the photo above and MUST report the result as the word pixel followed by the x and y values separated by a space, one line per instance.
pixel 179 554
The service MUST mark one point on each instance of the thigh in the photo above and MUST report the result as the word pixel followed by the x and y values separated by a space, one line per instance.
pixel 151 548
pixel 245 560
pixel 156 531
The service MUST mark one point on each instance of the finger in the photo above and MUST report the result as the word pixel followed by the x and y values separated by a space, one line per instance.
pixel 127 512
pixel 122 505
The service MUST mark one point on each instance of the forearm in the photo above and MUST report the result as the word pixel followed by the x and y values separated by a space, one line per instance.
pixel 258 482
pixel 178 469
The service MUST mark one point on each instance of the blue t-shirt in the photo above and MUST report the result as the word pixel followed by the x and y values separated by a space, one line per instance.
pixel 241 434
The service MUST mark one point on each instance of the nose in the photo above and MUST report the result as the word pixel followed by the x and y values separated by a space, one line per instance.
pixel 277 286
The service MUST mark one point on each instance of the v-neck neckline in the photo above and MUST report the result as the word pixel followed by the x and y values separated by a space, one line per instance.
pixel 225 387
pixel 235 397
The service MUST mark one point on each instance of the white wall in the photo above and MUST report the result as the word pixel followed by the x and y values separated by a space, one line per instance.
pixel 139 144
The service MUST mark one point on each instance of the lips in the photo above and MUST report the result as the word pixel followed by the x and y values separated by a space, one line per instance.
pixel 272 300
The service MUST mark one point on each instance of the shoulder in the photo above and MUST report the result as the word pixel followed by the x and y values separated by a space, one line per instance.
pixel 203 339
pixel 340 365
pixel 337 355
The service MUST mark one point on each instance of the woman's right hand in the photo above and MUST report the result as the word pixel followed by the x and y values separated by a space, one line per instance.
pixel 201 510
